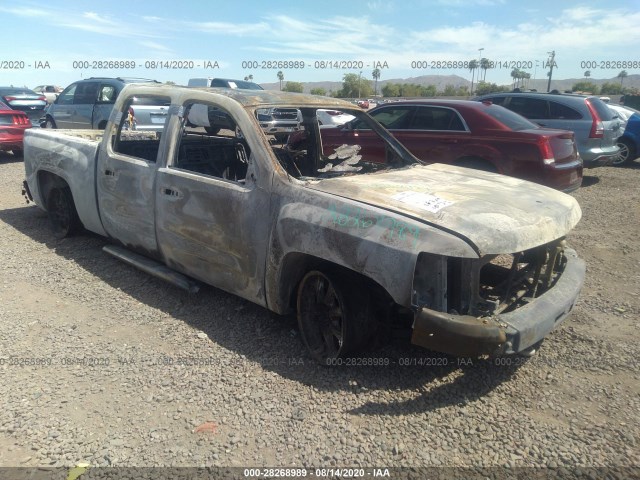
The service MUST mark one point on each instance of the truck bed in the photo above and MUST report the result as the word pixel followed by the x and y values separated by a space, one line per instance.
pixel 62 152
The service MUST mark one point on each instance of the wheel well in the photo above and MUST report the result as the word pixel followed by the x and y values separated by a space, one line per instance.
pixel 477 163
pixel 47 181
pixel 296 265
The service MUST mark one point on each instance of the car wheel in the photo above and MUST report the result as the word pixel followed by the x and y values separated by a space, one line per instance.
pixel 49 123
pixel 332 316
pixel 626 154
pixel 62 213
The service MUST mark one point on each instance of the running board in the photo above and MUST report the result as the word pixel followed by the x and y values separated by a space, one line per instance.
pixel 153 267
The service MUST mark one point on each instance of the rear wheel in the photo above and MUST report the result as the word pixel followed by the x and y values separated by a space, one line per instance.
pixel 49 123
pixel 626 154
pixel 333 316
pixel 62 212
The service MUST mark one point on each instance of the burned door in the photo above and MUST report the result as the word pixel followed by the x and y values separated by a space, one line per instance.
pixel 212 212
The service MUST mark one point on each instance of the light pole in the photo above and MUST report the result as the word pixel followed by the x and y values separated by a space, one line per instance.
pixel 480 63
pixel 550 62
pixel 359 81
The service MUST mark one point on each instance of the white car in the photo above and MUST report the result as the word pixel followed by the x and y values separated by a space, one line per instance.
pixel 333 117
pixel 50 92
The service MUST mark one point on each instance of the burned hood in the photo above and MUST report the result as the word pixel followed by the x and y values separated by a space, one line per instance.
pixel 494 213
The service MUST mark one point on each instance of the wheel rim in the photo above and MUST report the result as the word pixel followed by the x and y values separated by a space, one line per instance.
pixel 321 317
pixel 60 212
pixel 622 155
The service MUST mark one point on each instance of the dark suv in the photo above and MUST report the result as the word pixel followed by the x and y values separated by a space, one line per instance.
pixel 86 103
pixel 596 128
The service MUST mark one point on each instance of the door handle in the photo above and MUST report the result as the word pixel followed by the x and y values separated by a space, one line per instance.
pixel 171 192
pixel 110 173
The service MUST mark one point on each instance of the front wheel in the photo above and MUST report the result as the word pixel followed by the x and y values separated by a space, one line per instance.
pixel 332 317
pixel 49 123
pixel 626 154
pixel 62 213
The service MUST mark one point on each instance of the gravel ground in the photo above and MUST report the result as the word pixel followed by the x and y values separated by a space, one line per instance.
pixel 102 364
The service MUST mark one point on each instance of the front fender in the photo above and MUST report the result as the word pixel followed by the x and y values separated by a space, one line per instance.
pixel 373 242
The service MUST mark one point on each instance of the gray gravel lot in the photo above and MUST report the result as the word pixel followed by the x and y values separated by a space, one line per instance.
pixel 103 364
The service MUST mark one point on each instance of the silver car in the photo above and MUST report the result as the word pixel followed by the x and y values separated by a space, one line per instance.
pixel 87 104
pixel 25 100
pixel 595 126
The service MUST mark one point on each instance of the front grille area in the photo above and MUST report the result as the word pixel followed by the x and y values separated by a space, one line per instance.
pixel 487 286
pixel 285 114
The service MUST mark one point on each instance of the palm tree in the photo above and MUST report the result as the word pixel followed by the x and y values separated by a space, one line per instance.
pixel 376 75
pixel 621 76
pixel 248 78
pixel 515 74
pixel 485 64
pixel 281 78
pixel 473 66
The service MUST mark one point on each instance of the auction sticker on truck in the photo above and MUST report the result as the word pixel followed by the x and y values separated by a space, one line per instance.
pixel 425 201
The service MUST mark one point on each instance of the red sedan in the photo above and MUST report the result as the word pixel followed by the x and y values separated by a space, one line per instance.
pixel 13 124
pixel 471 134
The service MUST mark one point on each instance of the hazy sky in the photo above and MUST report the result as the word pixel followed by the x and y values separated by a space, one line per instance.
pixel 330 38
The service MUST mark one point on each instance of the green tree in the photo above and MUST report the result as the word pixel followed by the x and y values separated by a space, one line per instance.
pixel 449 91
pixel 318 91
pixel 248 78
pixel 610 89
pixel 622 76
pixel 280 78
pixel 376 75
pixel 293 87
pixel 428 91
pixel 169 82
pixel 354 86
pixel 484 88
pixel 391 90
pixel 585 87
pixel 587 74
pixel 473 66
pixel 485 64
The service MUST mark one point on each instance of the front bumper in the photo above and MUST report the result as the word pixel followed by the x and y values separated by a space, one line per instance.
pixel 507 333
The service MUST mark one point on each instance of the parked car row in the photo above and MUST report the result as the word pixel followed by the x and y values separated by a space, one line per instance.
pixel 510 133
pixel 595 126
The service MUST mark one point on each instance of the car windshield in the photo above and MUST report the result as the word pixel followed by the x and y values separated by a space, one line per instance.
pixel 314 151
pixel 508 118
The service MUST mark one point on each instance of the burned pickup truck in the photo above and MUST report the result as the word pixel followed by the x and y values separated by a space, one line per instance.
pixel 476 261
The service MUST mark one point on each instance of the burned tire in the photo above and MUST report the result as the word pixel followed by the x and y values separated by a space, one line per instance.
pixel 333 316
pixel 63 216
